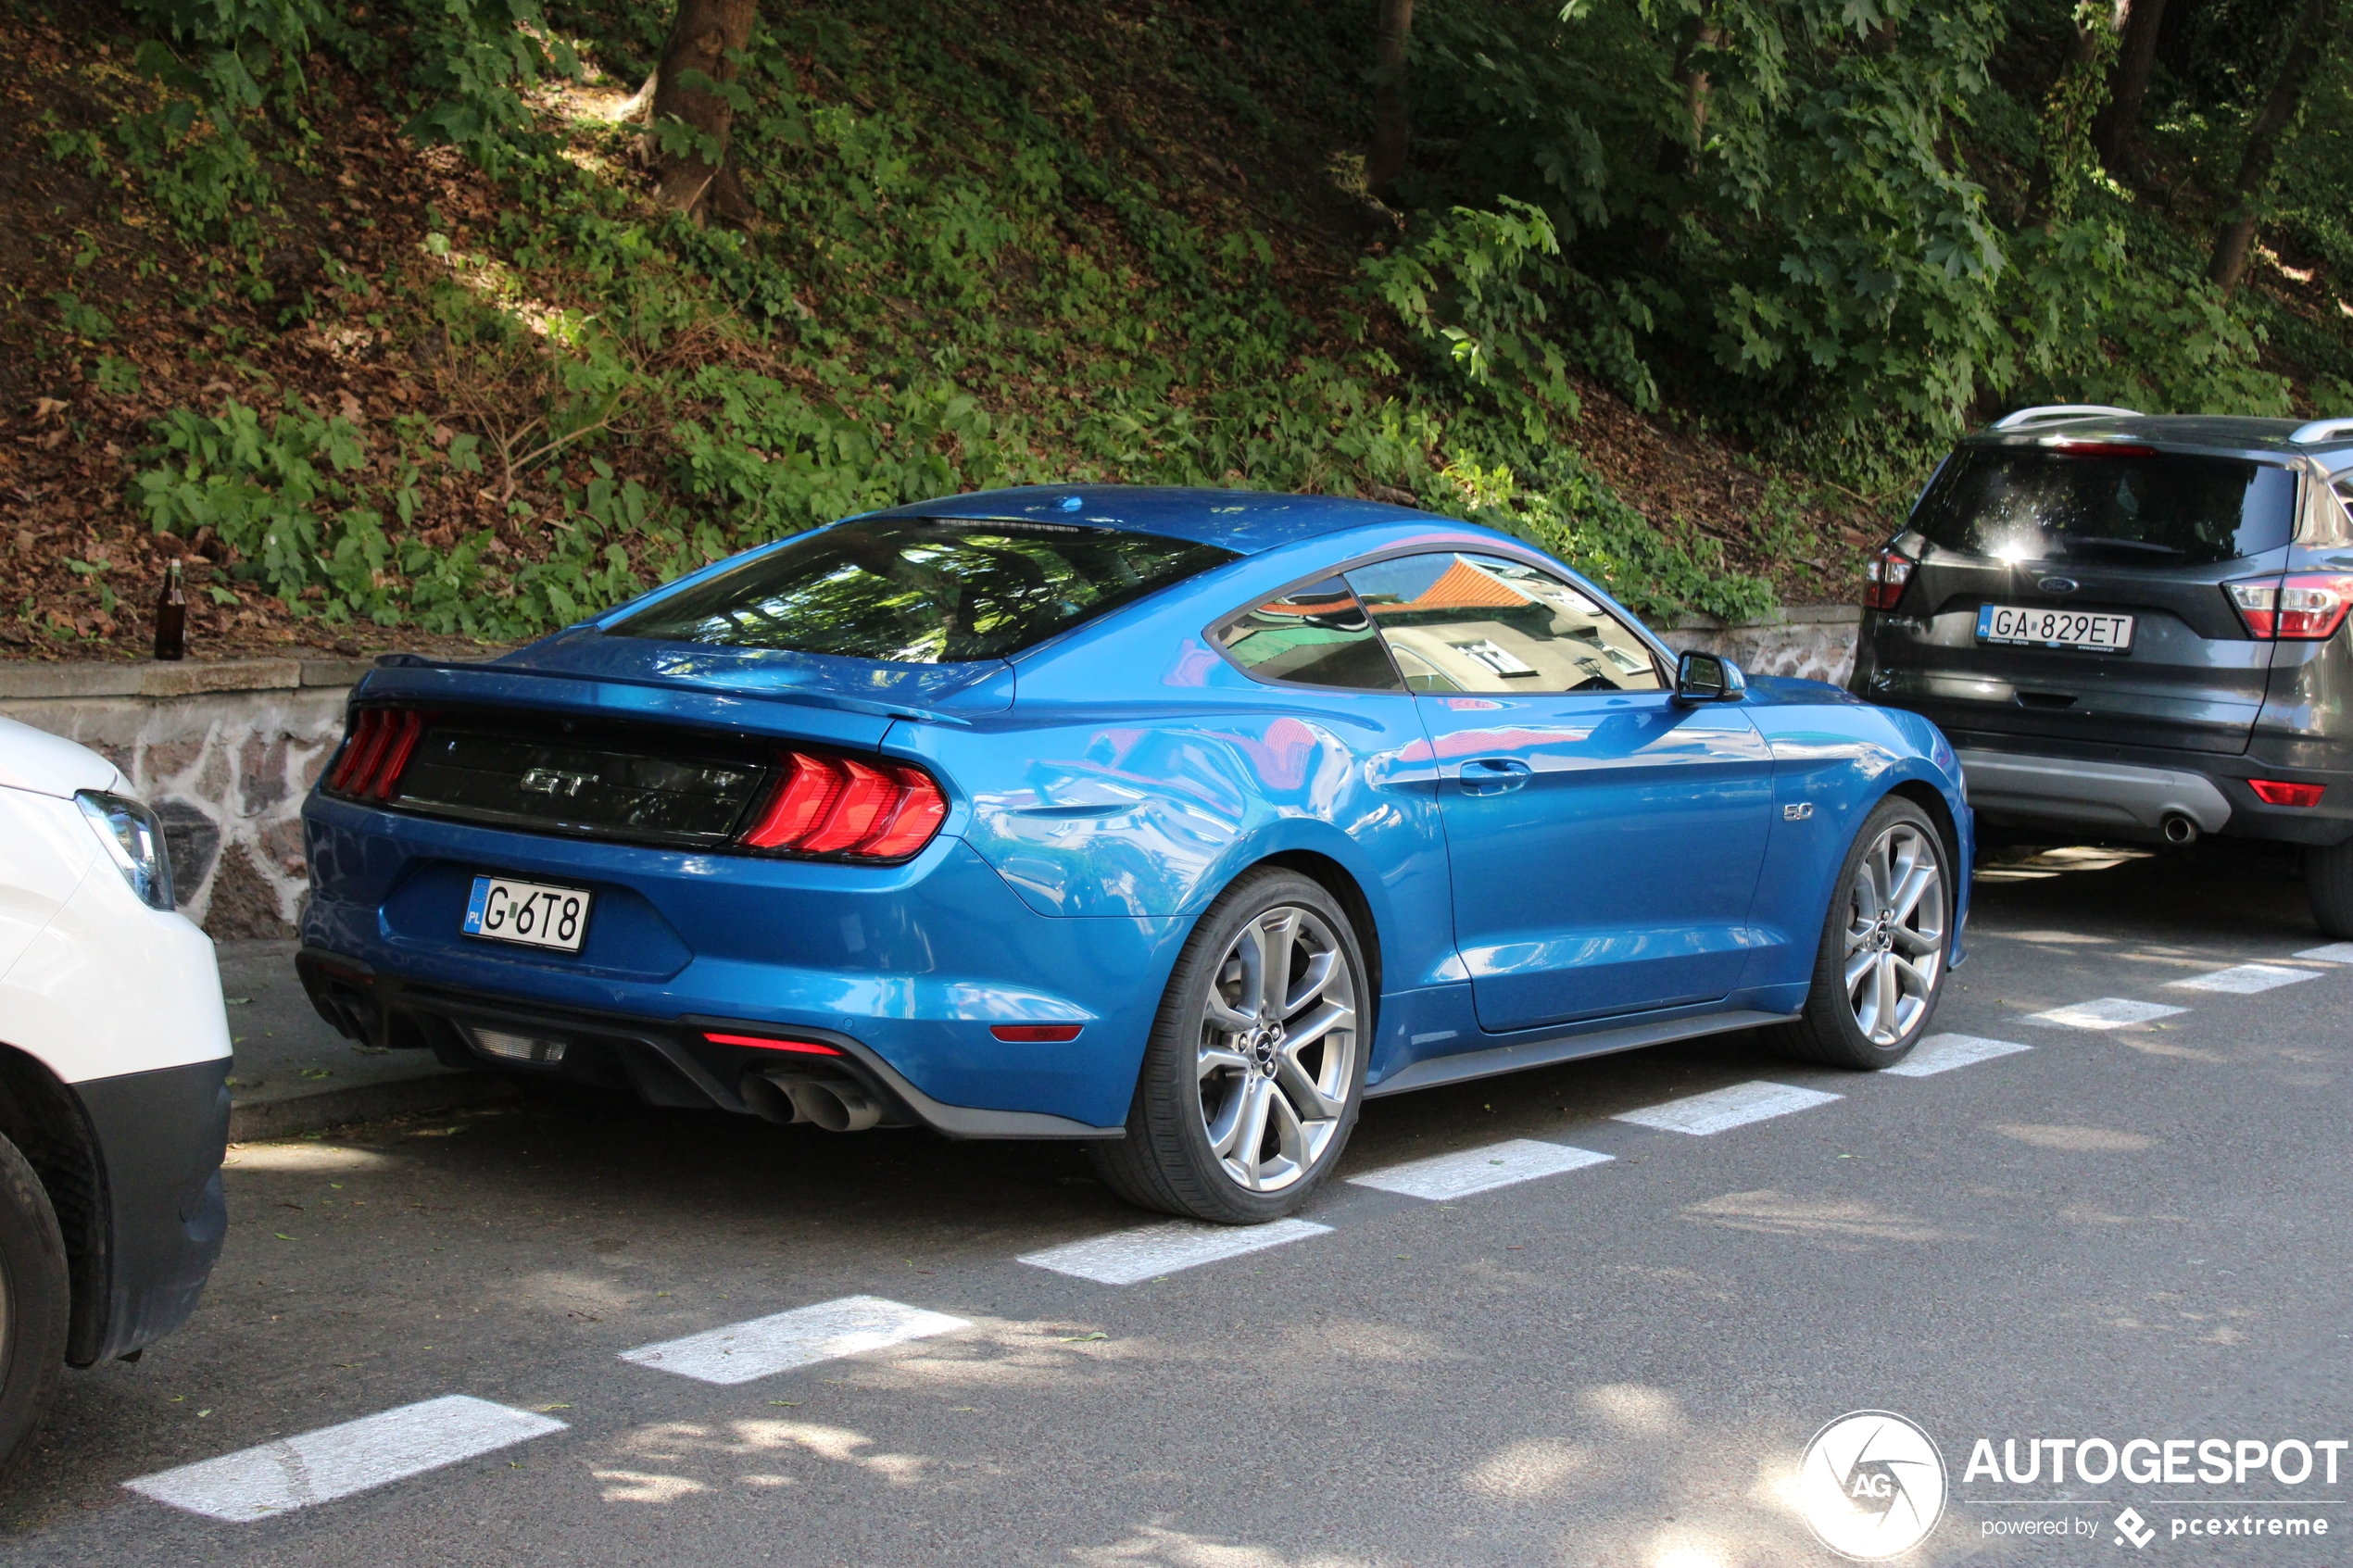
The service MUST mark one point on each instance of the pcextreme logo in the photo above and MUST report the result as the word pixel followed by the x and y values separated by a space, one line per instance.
pixel 1871 1486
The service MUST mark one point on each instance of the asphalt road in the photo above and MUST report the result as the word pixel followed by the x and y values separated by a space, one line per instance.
pixel 2118 1233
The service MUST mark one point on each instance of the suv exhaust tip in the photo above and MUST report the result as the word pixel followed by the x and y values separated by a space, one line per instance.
pixel 2178 829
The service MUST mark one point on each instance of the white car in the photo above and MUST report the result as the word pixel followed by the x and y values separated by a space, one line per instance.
pixel 114 1062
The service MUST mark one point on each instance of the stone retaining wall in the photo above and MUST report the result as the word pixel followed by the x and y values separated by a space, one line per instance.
pixel 225 751
pixel 1813 641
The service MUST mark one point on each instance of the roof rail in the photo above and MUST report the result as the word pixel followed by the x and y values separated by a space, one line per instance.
pixel 2320 431
pixel 2049 411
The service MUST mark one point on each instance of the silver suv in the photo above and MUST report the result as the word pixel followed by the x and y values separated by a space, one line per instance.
pixel 2132 627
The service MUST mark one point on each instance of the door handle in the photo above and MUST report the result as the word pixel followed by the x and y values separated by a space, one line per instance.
pixel 1493 775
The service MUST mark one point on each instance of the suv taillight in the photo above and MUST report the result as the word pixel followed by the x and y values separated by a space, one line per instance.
pixel 1886 577
pixel 2302 608
pixel 375 749
pixel 837 806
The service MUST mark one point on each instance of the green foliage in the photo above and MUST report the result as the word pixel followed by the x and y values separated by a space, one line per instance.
pixel 970 266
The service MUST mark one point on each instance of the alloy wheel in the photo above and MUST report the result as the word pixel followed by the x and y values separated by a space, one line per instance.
pixel 1895 934
pixel 1277 1051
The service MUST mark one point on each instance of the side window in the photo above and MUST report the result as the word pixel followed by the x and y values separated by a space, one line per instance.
pixel 1314 636
pixel 2332 523
pixel 1463 622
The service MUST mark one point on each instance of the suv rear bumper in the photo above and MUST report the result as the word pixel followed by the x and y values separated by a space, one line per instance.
pixel 2098 790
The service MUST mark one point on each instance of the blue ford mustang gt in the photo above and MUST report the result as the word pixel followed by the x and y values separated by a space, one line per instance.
pixel 1176 821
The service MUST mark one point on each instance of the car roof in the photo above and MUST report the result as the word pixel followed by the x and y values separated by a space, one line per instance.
pixel 2241 435
pixel 1246 522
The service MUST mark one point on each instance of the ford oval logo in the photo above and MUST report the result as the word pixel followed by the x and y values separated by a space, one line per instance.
pixel 2058 584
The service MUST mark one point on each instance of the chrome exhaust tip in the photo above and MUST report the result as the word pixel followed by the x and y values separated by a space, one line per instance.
pixel 2180 829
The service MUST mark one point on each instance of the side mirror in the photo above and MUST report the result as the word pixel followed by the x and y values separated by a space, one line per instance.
pixel 1708 677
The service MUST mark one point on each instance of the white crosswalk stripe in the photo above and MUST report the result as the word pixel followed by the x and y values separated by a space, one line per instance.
pixel 2336 952
pixel 764 1347
pixel 336 1462
pixel 2109 1012
pixel 1720 1108
pixel 1941 1053
pixel 1478 1170
pixel 2247 979
pixel 1125 1257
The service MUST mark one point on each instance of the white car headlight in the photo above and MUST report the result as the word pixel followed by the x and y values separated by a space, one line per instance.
pixel 134 840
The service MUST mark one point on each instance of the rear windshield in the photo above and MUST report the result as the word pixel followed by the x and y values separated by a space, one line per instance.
pixel 2160 507
pixel 924 590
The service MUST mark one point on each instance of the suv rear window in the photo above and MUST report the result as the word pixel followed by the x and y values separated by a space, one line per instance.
pixel 2160 507
pixel 924 590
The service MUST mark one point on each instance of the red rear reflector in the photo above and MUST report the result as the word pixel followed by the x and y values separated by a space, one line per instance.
pixel 806 1048
pixel 836 806
pixel 1884 578
pixel 1035 1033
pixel 2279 792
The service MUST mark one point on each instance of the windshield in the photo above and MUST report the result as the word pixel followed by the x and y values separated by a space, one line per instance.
pixel 924 590
pixel 2134 505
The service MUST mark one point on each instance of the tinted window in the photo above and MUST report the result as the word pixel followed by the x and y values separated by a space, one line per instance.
pixel 1462 622
pixel 1315 637
pixel 2160 507
pixel 923 591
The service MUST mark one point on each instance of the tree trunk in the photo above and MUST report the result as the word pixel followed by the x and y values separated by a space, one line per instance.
pixel 2068 115
pixel 2127 83
pixel 1391 123
pixel 2310 39
pixel 702 38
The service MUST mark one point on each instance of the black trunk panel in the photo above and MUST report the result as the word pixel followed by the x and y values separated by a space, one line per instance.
pixel 641 789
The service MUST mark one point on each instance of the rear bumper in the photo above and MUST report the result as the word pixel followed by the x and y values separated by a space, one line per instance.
pixel 664 1062
pixel 2122 794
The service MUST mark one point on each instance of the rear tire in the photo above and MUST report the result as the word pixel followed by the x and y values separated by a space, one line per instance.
pixel 35 1305
pixel 1255 1069
pixel 1880 969
pixel 2328 883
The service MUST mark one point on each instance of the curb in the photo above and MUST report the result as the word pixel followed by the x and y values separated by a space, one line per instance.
pixel 295 1114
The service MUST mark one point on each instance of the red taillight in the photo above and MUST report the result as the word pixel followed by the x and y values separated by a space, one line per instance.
pixel 2303 607
pixel 1035 1033
pixel 805 1047
pixel 381 740
pixel 851 822
pixel 921 810
pixel 2279 792
pixel 836 806
pixel 1886 577
pixel 360 749
pixel 404 728
pixel 812 785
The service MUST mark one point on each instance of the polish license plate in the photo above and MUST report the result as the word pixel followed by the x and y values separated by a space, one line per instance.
pixel 529 912
pixel 2055 629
